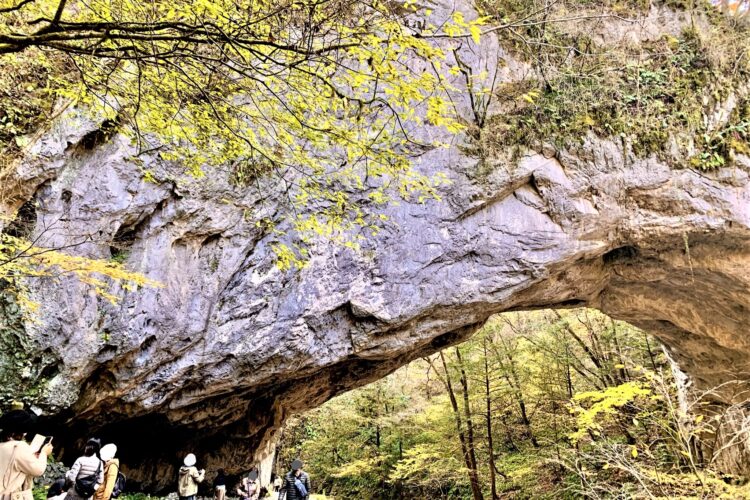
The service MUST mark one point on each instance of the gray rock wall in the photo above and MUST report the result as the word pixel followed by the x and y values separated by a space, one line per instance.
pixel 215 360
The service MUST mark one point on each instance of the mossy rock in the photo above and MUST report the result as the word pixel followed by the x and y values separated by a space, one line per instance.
pixel 20 378
pixel 658 94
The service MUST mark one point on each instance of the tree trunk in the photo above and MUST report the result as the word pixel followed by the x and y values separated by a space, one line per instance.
pixel 511 375
pixel 650 352
pixel 568 376
pixel 604 376
pixel 476 487
pixel 624 374
pixel 456 413
pixel 488 417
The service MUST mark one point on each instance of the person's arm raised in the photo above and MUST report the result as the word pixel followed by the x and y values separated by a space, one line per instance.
pixel 29 462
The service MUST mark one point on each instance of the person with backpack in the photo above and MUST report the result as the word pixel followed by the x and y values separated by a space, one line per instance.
pixel 19 464
pixel 249 487
pixel 296 483
pixel 190 478
pixel 111 473
pixel 87 473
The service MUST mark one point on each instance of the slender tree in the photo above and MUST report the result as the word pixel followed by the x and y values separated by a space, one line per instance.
pixel 462 435
pixel 476 487
pixel 488 420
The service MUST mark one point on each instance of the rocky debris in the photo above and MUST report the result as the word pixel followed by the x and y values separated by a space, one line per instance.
pixel 55 470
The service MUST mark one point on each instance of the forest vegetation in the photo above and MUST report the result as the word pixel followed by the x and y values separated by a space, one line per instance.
pixel 548 404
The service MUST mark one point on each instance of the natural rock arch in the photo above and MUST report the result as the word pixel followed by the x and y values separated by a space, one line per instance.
pixel 214 361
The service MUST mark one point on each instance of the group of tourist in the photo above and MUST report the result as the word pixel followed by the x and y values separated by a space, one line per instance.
pixel 294 486
pixel 96 474
pixel 93 475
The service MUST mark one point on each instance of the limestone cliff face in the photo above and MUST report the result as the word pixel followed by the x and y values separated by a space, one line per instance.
pixel 215 360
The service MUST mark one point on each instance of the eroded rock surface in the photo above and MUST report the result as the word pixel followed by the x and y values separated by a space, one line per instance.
pixel 216 359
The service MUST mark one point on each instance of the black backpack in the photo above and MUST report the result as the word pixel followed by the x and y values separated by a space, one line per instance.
pixel 86 486
pixel 119 484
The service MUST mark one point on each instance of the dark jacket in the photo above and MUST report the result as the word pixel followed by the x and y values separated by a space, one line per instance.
pixel 291 491
pixel 220 480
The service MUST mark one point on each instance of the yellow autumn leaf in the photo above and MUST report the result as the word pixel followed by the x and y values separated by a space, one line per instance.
pixel 475 33
pixel 458 18
pixel 282 97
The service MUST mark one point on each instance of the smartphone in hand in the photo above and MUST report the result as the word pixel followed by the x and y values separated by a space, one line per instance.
pixel 39 442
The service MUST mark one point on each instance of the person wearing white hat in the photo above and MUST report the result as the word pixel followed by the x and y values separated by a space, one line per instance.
pixel 190 477
pixel 111 468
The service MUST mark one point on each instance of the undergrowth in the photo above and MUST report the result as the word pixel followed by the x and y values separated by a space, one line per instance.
pixel 29 82
pixel 660 96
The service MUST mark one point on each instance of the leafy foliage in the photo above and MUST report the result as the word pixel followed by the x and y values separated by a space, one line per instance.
pixel 330 97
pixel 603 404
pixel 576 406
pixel 21 260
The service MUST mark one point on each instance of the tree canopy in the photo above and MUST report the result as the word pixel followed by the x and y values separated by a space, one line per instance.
pixel 545 404
pixel 323 95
